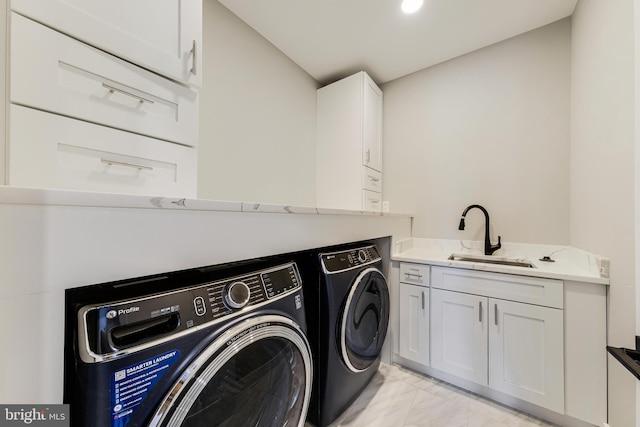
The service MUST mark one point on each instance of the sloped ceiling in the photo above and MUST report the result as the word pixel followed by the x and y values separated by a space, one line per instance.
pixel 331 39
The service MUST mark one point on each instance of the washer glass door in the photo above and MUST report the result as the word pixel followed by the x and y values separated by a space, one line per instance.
pixel 258 375
pixel 365 320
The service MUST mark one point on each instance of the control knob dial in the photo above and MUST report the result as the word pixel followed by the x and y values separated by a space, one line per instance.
pixel 237 295
pixel 362 255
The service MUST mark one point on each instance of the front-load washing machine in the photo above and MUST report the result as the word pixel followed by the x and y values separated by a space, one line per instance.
pixel 347 304
pixel 230 351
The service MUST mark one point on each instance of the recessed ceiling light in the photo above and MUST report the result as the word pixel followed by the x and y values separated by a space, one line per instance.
pixel 411 6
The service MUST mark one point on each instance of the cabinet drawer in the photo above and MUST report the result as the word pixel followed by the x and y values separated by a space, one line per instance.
pixel 371 201
pixel 52 151
pixel 416 274
pixel 371 180
pixel 55 73
pixel 531 290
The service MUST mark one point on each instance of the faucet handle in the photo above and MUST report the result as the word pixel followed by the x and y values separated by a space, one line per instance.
pixel 494 248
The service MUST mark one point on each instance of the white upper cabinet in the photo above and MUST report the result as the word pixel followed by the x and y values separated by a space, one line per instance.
pixel 164 36
pixel 349 145
pixel 58 74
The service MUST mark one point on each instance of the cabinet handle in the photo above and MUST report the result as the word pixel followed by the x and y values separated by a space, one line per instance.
pixel 129 165
pixel 112 89
pixel 409 275
pixel 495 314
pixel 193 58
pixel 368 155
pixel 374 179
pixel 423 300
pixel 480 311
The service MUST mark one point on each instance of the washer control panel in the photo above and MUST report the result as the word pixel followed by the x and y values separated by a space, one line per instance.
pixel 125 324
pixel 228 296
pixel 346 260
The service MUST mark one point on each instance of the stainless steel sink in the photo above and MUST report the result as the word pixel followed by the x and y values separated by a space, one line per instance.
pixel 514 262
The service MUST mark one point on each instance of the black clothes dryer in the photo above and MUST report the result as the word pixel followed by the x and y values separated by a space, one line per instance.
pixel 347 305
pixel 225 352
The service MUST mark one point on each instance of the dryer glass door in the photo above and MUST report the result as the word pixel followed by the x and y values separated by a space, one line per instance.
pixel 365 320
pixel 259 375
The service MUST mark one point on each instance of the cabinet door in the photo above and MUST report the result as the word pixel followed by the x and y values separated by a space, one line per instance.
pixel 414 323
pixel 459 334
pixel 526 358
pixel 372 128
pixel 159 35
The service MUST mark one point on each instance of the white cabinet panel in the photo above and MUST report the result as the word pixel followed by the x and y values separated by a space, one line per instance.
pixel 52 72
pixel 157 34
pixel 51 151
pixel 414 323
pixel 585 310
pixel 459 335
pixel 526 357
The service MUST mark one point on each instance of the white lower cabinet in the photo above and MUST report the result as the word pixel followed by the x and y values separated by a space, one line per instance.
pixel 459 335
pixel 517 339
pixel 414 313
pixel 514 347
pixel 414 323
pixel 526 357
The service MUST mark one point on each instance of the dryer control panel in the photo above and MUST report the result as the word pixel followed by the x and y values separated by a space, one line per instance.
pixel 110 328
pixel 346 260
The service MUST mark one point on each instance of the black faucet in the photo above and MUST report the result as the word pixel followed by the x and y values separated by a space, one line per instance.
pixel 489 249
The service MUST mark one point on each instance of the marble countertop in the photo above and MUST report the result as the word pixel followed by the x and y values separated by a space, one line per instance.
pixel 54 197
pixel 569 263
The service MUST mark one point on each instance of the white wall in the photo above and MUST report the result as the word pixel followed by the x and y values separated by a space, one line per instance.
pixel 3 90
pixel 637 179
pixel 602 170
pixel 46 249
pixel 257 117
pixel 490 127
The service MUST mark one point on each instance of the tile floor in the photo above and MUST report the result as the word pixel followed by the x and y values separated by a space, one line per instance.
pixel 397 397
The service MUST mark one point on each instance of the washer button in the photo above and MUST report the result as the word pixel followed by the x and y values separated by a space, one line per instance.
pixel 198 304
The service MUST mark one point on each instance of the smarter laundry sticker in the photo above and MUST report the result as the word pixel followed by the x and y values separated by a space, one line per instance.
pixel 130 386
